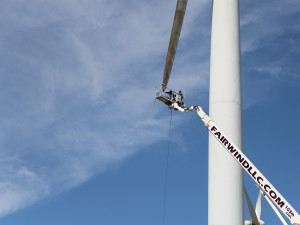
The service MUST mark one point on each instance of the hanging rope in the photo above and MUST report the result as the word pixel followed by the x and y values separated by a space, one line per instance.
pixel 166 172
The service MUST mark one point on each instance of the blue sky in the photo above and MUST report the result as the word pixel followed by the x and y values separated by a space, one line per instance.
pixel 81 140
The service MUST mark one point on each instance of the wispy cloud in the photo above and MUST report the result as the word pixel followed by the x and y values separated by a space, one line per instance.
pixel 19 184
pixel 270 40
pixel 77 83
pixel 266 20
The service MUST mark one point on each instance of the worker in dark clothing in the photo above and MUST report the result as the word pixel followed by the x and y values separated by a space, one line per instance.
pixel 171 94
pixel 180 95
pixel 179 99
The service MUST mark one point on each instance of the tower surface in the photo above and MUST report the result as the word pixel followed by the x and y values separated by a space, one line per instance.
pixel 225 178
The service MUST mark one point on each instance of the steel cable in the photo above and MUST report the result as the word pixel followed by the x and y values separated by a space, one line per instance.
pixel 166 172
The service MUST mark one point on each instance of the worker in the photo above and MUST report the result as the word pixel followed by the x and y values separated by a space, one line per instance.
pixel 179 99
pixel 180 95
pixel 172 95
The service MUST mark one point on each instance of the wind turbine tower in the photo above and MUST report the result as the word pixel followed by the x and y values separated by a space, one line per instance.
pixel 225 180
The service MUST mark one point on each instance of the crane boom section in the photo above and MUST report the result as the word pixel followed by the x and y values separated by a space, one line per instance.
pixel 246 164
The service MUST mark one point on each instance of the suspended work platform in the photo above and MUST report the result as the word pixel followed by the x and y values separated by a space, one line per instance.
pixel 168 96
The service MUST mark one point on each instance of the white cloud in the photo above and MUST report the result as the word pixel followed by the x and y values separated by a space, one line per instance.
pixel 19 185
pixel 77 84
pixel 266 20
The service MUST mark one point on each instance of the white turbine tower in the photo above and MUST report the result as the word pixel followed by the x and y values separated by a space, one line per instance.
pixel 225 200
pixel 225 185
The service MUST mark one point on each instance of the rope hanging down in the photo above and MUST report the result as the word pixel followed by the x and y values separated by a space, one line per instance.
pixel 166 172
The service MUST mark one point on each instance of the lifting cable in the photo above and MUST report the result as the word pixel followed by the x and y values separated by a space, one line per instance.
pixel 166 172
